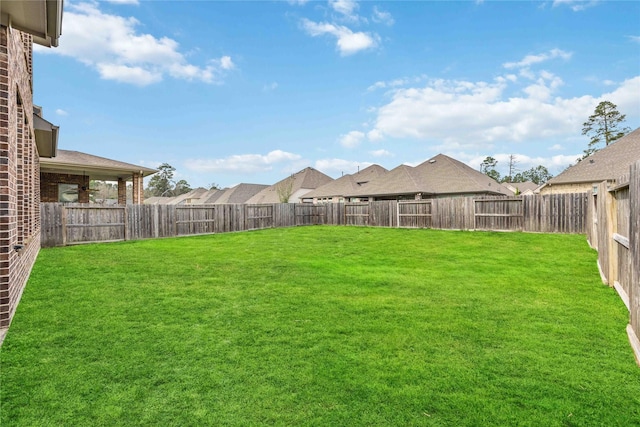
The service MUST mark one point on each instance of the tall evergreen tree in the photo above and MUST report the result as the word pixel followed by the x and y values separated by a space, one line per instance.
pixel 488 167
pixel 604 125
pixel 161 183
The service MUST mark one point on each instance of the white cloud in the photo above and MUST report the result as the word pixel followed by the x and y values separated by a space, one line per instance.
pixel 126 74
pixel 576 5
pixel 625 96
pixel 529 60
pixel 635 39
pixel 242 163
pixel 382 17
pixel 556 147
pixel 375 135
pixel 347 42
pixel 381 153
pixel 351 139
pixel 477 115
pixel 339 166
pixel 112 45
pixel 61 112
pixel 226 63
pixel 396 83
pixel 347 8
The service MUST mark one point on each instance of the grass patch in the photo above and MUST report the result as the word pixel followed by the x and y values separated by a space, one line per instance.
pixel 321 326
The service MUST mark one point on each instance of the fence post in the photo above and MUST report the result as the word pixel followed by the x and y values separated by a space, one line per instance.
pixel 64 226
pixel 633 329
pixel 126 210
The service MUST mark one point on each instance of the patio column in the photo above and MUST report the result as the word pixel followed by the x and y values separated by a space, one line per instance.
pixel 138 188
pixel 122 191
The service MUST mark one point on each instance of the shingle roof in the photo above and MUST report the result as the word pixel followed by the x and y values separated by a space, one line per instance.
pixel 303 181
pixel 347 183
pixel 399 180
pixel 609 163
pixel 96 167
pixel 182 199
pixel 437 176
pixel 521 186
pixel 210 196
pixel 239 193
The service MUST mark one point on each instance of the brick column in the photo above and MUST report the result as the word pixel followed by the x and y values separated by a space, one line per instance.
pixel 83 190
pixel 138 188
pixel 122 191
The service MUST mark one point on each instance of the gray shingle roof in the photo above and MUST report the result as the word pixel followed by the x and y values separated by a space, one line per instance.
pixel 303 182
pixel 347 183
pixel 239 193
pixel 440 175
pixel 521 186
pixel 182 199
pixel 609 163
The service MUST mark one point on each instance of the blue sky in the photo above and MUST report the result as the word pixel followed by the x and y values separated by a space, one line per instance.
pixel 243 91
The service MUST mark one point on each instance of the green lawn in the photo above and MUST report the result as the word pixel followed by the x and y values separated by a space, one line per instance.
pixel 325 326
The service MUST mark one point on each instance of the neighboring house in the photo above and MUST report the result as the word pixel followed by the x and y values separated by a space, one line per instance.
pixel 526 188
pixel 25 137
pixel 190 198
pixel 607 164
pixel 201 196
pixel 294 186
pixel 335 191
pixel 210 196
pixel 440 176
pixel 66 177
pixel 237 194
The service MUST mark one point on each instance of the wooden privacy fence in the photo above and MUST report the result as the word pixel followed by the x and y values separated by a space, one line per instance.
pixel 66 224
pixel 614 230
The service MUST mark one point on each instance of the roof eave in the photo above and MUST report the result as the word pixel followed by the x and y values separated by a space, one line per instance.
pixel 40 18
pixel 96 172
pixel 46 135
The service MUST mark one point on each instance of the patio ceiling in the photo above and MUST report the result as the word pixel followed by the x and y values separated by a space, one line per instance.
pixel 95 167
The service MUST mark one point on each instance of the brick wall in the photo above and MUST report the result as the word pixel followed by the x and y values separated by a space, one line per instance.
pixel 49 186
pixel 19 171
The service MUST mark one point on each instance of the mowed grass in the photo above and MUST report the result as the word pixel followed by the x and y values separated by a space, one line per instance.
pixel 324 326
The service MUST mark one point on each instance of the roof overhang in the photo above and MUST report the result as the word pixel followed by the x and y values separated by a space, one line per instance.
pixel 93 172
pixel 40 18
pixel 46 137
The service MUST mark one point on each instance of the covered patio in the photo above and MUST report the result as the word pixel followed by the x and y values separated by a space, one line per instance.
pixel 66 177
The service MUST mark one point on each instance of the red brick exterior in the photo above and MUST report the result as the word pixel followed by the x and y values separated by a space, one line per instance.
pixel 138 189
pixel 49 186
pixel 122 191
pixel 19 171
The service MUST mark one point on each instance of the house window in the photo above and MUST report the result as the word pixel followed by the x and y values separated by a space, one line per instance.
pixel 68 193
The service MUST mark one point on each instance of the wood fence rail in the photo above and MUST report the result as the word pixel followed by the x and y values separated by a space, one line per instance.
pixel 614 230
pixel 68 224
